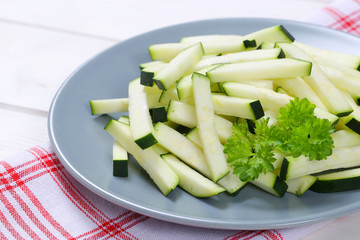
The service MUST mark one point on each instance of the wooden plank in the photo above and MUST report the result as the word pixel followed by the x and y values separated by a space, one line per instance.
pixel 21 129
pixel 38 61
pixel 116 19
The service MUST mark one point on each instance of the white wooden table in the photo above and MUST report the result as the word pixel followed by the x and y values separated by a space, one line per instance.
pixel 43 41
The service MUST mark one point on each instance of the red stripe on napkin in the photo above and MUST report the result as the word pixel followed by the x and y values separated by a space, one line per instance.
pixel 341 15
pixel 39 199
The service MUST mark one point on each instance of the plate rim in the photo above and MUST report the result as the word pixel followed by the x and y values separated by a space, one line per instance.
pixel 165 215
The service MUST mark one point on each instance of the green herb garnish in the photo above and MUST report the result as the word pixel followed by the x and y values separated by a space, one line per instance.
pixel 298 131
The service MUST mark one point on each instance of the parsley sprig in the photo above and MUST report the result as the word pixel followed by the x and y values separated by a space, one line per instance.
pixel 298 131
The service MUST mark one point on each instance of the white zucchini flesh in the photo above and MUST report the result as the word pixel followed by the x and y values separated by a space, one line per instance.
pixel 184 114
pixel 298 87
pixel 147 74
pixel 230 181
pixel 168 95
pixel 264 69
pixel 247 56
pixel 349 60
pixel 343 81
pixel 318 81
pixel 276 33
pixel 182 147
pixel 352 121
pixel 238 107
pixel 271 183
pixel 150 64
pixel 163 176
pixel 192 181
pixel 205 117
pixel 300 185
pixel 301 166
pixel 268 84
pixel 141 123
pixel 184 85
pixel 112 105
pixel 269 99
pixel 345 138
pixel 168 51
pixel 178 66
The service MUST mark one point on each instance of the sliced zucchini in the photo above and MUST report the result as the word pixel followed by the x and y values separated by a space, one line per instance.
pixel 281 90
pixel 193 136
pixel 168 95
pixel 163 176
pixel 166 51
pixel 324 88
pixel 178 66
pixel 125 119
pixel 271 183
pixel 353 120
pixel 341 158
pixel 269 99
pixel 120 160
pixel 342 80
pixel 345 138
pixel 158 114
pixel 149 64
pixel 147 74
pixel 106 106
pixel 300 185
pixel 337 182
pixel 247 56
pixel 205 117
pixel 238 107
pixel 352 61
pixel 192 181
pixel 267 45
pixel 141 123
pixel 264 69
pixel 184 85
pixel 298 87
pixel 232 183
pixel 182 147
pixel 185 115
pixel 271 34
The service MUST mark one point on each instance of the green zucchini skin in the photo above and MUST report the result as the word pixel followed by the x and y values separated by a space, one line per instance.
pixel 257 109
pixel 249 43
pixel 120 168
pixel 354 125
pixel 340 185
pixel 284 169
pixel 337 182
pixel 287 33
pixel 280 187
pixel 146 141
pixel 158 114
pixel 146 78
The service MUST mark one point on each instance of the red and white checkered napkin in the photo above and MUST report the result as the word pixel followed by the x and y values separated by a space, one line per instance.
pixel 341 15
pixel 40 200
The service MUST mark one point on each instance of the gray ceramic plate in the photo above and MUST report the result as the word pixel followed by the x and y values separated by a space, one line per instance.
pixel 84 147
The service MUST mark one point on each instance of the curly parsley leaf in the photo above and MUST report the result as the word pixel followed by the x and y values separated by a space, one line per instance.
pixel 297 132
pixel 249 155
